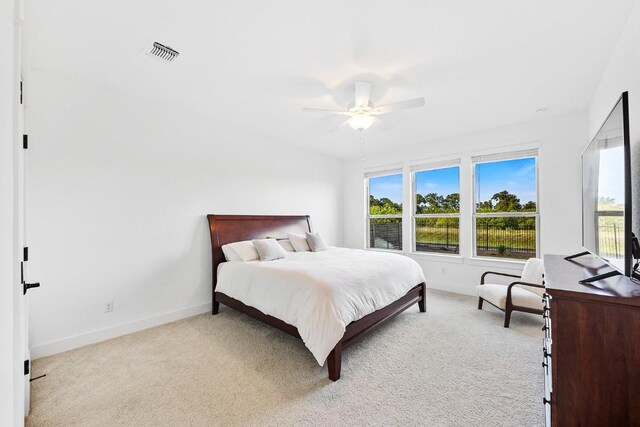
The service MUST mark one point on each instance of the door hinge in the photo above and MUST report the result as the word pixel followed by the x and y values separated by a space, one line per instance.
pixel 27 286
pixel 26 367
pixel 20 92
pixel 25 141
pixel 25 254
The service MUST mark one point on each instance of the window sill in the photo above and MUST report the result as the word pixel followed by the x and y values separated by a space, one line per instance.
pixel 393 251
pixel 497 262
pixel 454 259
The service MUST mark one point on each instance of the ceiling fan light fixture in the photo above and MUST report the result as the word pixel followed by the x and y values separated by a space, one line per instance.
pixel 363 112
pixel 361 122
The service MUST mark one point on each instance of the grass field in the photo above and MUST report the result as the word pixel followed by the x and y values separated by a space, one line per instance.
pixel 518 243
pixel 504 243
pixel 611 240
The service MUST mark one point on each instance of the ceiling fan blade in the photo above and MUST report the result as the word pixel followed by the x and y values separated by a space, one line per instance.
pixel 402 105
pixel 363 92
pixel 381 124
pixel 321 110
pixel 342 125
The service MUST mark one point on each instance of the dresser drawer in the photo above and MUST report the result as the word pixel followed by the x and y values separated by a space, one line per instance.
pixel 546 358
pixel 546 315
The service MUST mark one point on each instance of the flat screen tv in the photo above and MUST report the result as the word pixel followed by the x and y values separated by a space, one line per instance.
pixel 606 193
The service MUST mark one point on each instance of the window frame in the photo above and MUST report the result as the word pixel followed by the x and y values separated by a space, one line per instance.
pixel 446 164
pixel 368 216
pixel 500 157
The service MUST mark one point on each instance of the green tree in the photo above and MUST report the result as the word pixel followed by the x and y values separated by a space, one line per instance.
pixel 506 202
pixel 530 206
pixel 384 206
pixel 433 203
pixel 483 207
pixel 452 203
pixel 609 204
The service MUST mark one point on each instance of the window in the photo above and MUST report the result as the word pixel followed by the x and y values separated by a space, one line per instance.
pixel 384 210
pixel 436 213
pixel 506 205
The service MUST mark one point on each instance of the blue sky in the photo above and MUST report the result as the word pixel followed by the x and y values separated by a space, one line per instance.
pixel 389 186
pixel 441 181
pixel 516 176
pixel 611 174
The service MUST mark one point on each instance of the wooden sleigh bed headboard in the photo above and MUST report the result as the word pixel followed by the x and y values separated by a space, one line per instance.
pixel 235 228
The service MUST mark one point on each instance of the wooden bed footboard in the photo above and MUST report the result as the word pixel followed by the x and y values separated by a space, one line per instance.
pixel 359 328
pixel 233 228
pixel 354 331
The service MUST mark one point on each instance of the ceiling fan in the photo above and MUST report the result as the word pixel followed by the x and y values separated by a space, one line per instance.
pixel 362 112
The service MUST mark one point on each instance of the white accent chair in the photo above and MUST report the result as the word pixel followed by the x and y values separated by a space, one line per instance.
pixel 522 295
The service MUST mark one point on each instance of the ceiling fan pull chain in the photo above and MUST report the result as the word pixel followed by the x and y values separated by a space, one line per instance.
pixel 361 147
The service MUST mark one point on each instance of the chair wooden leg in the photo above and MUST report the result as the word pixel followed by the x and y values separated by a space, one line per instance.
pixel 334 362
pixel 507 317
pixel 422 304
pixel 480 301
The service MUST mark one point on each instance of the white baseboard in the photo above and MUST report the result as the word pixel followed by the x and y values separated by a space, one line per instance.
pixel 453 287
pixel 59 346
pixel 66 344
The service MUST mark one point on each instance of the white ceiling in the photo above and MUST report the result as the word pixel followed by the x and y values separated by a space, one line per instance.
pixel 255 64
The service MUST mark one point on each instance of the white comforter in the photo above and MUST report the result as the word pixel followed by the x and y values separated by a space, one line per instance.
pixel 320 293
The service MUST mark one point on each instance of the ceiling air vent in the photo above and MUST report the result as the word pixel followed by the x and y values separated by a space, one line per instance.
pixel 161 52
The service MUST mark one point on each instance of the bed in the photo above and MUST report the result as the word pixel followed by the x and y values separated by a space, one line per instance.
pixel 238 282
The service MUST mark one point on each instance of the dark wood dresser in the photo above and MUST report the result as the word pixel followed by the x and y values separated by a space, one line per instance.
pixel 591 346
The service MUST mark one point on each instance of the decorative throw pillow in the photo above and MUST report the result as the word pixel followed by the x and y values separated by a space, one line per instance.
pixel 245 250
pixel 269 249
pixel 230 254
pixel 316 242
pixel 286 244
pixel 299 242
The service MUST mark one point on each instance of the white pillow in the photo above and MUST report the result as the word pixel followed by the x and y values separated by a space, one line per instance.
pixel 230 254
pixel 269 249
pixel 299 242
pixel 245 250
pixel 286 244
pixel 316 242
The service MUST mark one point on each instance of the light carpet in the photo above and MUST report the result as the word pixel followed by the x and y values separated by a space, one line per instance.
pixel 452 366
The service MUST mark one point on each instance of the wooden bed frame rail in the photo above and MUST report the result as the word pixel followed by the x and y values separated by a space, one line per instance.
pixel 233 228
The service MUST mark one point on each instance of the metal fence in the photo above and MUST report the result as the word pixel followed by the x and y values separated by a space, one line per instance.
pixel 508 241
pixel 438 238
pixel 610 240
pixel 491 240
pixel 386 235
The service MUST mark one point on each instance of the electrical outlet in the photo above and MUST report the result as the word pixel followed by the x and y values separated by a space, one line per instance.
pixel 444 270
pixel 108 307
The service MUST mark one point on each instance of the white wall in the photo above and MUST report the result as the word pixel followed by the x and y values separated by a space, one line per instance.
pixel 560 140
pixel 118 193
pixel 622 73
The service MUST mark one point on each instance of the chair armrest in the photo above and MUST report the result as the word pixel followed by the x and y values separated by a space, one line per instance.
pixel 534 285
pixel 512 284
pixel 497 274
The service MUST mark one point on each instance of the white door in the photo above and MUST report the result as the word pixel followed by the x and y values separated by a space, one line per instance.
pixel 21 169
